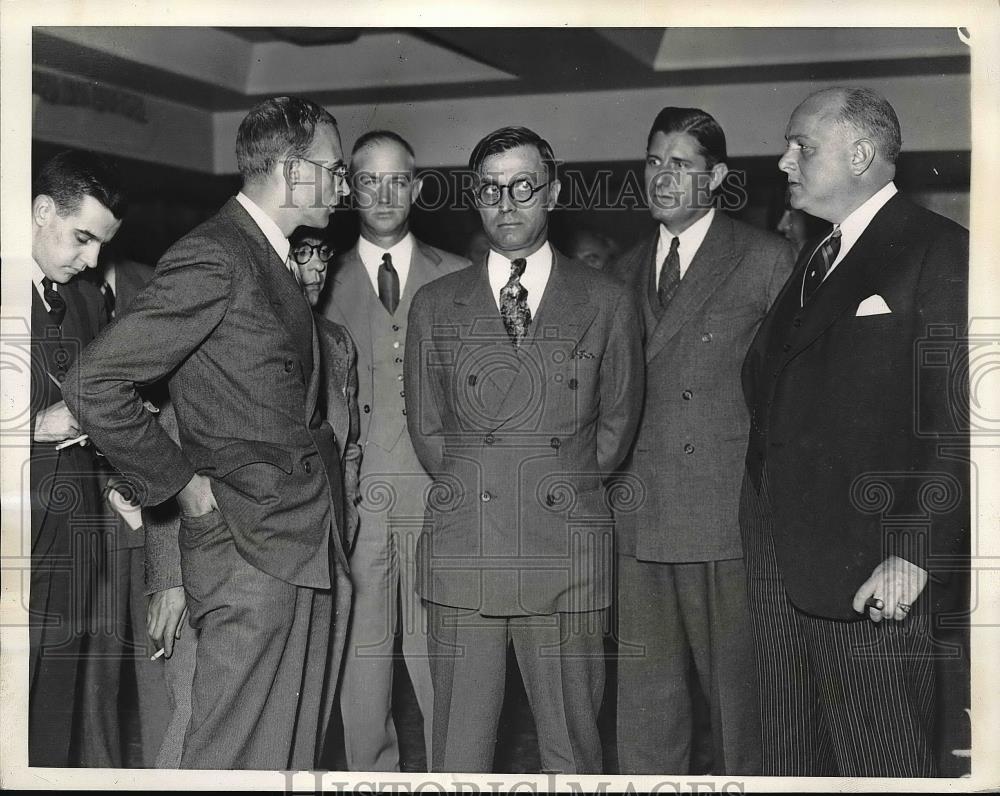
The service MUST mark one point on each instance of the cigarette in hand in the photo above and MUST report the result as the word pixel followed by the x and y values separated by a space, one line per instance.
pixel 75 441
pixel 158 654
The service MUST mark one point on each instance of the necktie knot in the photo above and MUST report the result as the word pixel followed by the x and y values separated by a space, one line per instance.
pixel 517 267
pixel 388 284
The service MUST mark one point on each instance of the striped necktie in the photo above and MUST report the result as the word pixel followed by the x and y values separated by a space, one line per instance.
pixel 820 264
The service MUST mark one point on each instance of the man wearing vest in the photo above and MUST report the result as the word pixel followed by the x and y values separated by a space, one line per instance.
pixel 372 287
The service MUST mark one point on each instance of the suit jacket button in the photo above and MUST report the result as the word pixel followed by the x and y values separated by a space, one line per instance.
pixel 395 327
pixel 289 366
pixel 472 379
pixel 489 439
pixel 797 323
pixel 707 337
pixel 404 411
pixel 689 448
pixel 550 500
pixel 786 347
pixel 686 395
pixel 555 442
pixel 572 384
pixel 486 497
pixel 366 409
pixel 307 466
pixel 399 360
pixel 402 393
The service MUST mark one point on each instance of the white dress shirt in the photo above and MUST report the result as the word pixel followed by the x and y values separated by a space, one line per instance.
pixel 534 279
pixel 857 222
pixel 37 275
pixel 689 243
pixel 271 231
pixel 401 253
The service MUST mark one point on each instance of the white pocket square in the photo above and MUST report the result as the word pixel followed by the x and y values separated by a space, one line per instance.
pixel 873 305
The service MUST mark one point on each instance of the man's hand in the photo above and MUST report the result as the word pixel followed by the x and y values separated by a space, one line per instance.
pixel 55 423
pixel 196 498
pixel 165 615
pixel 895 584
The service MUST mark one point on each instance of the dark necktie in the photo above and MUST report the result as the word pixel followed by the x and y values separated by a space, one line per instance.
pixel 57 304
pixel 514 303
pixel 670 274
pixel 109 302
pixel 388 284
pixel 819 265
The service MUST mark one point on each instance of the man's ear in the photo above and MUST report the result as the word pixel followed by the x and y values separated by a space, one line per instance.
pixel 418 184
pixel 291 170
pixel 554 188
pixel 719 172
pixel 862 155
pixel 43 209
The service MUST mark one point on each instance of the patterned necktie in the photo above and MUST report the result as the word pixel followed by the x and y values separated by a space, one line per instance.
pixel 110 302
pixel 514 303
pixel 819 265
pixel 57 304
pixel 670 274
pixel 388 284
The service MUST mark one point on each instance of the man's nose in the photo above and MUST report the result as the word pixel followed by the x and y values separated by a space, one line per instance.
pixel 787 161
pixel 506 202
pixel 90 254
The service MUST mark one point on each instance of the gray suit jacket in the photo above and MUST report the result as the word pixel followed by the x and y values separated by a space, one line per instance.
pixel 520 441
pixel 687 460
pixel 226 321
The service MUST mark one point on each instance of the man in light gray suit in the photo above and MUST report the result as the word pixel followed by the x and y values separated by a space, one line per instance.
pixel 372 287
pixel 705 282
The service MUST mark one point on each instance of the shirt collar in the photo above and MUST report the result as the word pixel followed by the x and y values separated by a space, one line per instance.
pixel 539 259
pixel 271 230
pixel 371 253
pixel 858 221
pixel 692 237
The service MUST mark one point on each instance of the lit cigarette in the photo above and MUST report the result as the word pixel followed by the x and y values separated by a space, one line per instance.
pixel 158 654
pixel 75 441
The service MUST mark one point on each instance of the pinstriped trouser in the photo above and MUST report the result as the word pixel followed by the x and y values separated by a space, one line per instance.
pixel 837 698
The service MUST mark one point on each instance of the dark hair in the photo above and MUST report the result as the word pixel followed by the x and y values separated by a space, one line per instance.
pixel 299 234
pixel 277 128
pixel 871 114
pixel 700 125
pixel 69 176
pixel 375 136
pixel 507 138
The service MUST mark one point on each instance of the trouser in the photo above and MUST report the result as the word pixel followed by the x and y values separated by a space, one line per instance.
pixel 260 697
pixel 561 658
pixel 667 615
pixel 838 698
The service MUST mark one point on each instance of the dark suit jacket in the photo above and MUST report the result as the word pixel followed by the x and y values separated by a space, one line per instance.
pixel 63 484
pixel 227 322
pixel 848 412
pixel 519 442
pixel 688 454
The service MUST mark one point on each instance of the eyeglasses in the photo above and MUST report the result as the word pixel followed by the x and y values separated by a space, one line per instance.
pixel 303 252
pixel 520 191
pixel 339 171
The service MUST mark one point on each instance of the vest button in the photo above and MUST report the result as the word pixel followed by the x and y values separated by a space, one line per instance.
pixel 399 377
pixel 686 395
pixel 307 466
pixel 395 328
pixel 404 411
pixel 486 497
pixel 289 366
pixel 707 337
pixel 550 500
pixel 396 344
pixel 489 439
pixel 472 380
pixel 399 360
pixel 689 448
pixel 402 393
pixel 366 409
pixel 797 323
pixel 555 442
pixel 572 384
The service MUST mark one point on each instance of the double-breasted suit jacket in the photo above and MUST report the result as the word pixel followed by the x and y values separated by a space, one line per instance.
pixel 852 413
pixel 520 441
pixel 689 450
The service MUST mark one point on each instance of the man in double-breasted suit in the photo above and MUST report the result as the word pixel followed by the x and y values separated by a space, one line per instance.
pixel 523 389
pixel 76 208
pixel 705 282
pixel 856 501
pixel 257 475
pixel 373 285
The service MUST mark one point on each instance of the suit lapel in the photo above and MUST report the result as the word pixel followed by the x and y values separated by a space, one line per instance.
pixel 853 278
pixel 715 259
pixel 350 293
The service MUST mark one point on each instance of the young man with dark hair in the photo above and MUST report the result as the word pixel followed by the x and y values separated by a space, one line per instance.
pixel 257 474
pixel 77 207
pixel 704 282
pixel 523 390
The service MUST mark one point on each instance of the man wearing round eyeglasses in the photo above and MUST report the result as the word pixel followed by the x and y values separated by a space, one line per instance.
pixel 373 285
pixel 523 386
